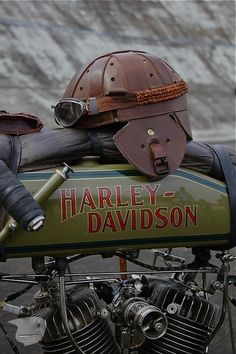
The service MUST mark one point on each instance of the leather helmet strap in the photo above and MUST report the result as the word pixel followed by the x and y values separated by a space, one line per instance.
pixel 123 99
pixel 159 157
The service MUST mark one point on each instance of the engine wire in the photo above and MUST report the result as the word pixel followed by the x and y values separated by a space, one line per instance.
pixel 225 299
pixel 144 265
pixel 10 341
pixel 231 327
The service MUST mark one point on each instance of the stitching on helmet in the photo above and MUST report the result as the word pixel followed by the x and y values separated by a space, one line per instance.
pixel 162 93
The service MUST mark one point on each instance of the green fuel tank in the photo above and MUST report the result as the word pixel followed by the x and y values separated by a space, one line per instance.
pixel 103 208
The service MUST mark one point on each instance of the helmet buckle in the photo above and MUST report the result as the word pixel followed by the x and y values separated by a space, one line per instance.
pixel 159 157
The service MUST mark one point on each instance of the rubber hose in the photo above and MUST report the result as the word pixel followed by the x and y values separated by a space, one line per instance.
pixel 15 198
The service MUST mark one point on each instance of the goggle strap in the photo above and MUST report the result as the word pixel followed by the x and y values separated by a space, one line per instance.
pixel 113 101
pixel 110 103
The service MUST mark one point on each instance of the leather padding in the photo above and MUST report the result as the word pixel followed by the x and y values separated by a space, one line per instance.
pixel 152 110
pixel 133 141
pixel 19 123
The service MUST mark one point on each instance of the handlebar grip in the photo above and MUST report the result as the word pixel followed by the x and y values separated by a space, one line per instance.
pixel 15 198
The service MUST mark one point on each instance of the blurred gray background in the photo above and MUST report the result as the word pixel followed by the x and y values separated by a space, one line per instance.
pixel 43 43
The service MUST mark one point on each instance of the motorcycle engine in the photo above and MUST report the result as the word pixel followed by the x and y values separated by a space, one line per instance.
pixel 157 317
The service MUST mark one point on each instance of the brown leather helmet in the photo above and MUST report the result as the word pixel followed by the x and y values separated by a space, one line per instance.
pixel 145 94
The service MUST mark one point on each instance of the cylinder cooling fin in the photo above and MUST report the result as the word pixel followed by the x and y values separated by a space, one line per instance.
pixel 92 334
pixel 182 337
pixel 191 320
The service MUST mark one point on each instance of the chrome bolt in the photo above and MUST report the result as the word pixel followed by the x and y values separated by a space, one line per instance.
pixel 158 327
pixel 172 308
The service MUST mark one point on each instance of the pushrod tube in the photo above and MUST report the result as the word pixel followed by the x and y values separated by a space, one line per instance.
pixel 224 305
pixel 64 315
pixel 231 329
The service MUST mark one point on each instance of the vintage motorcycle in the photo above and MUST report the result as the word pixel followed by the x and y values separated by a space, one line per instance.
pixel 114 211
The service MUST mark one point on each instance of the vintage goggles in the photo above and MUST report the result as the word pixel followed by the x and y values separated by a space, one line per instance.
pixel 68 111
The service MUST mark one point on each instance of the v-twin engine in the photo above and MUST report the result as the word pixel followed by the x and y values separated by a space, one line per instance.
pixel 163 317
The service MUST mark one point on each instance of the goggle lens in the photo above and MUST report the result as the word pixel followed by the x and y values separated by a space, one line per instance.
pixel 68 112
